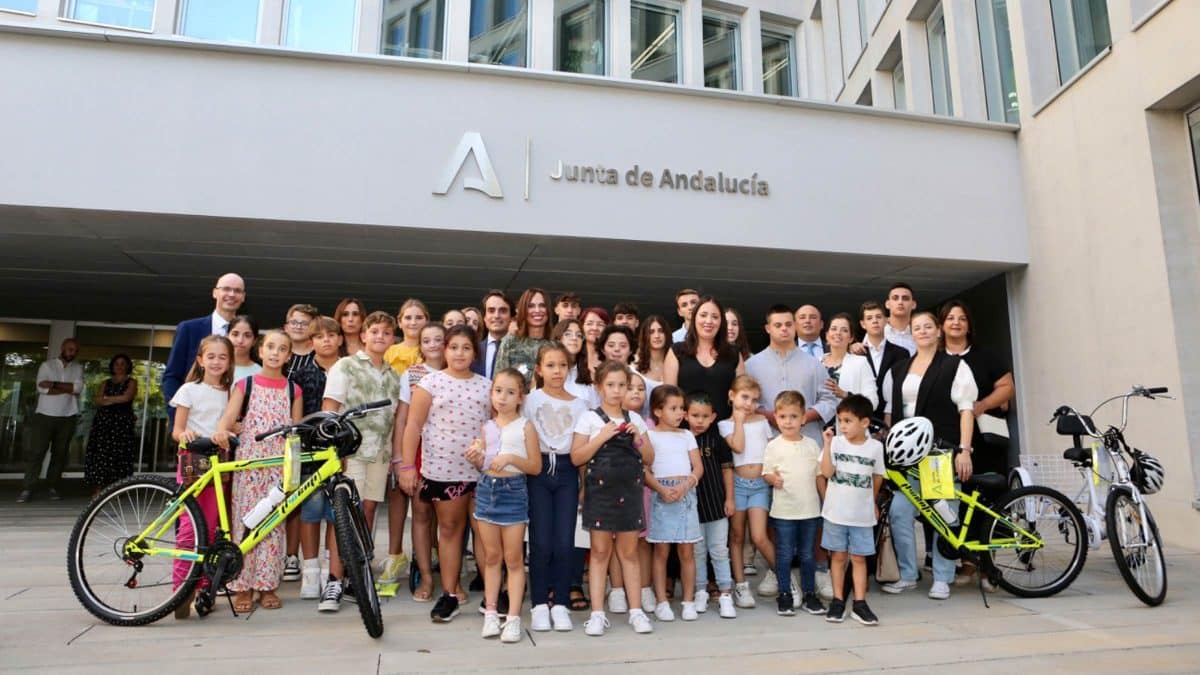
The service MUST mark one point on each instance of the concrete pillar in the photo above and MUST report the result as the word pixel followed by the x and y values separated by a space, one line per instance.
pixel 883 96
pixel 370 16
pixel 917 80
pixel 966 62
pixel 813 80
pixel 691 43
pixel 541 34
pixel 619 47
pixel 835 77
pixel 270 22
pixel 750 70
pixel 458 31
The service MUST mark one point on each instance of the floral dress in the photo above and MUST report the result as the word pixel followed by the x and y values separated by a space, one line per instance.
pixel 269 407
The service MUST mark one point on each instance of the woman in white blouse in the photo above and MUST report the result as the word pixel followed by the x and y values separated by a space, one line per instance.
pixel 848 373
pixel 938 386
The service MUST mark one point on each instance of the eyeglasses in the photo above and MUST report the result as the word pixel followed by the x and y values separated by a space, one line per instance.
pixel 231 289
pixel 299 323
pixel 572 335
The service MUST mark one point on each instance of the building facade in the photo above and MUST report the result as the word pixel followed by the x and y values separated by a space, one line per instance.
pixel 1036 156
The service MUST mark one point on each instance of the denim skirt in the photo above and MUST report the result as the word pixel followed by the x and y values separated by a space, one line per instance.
pixel 675 523
pixel 502 501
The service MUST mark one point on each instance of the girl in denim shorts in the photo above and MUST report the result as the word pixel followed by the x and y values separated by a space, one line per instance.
pixel 505 455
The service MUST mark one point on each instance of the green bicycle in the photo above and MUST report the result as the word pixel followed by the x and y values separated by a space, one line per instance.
pixel 123 551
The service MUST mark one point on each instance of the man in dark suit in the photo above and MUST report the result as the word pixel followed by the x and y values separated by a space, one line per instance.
pixel 497 311
pixel 228 295
pixel 880 352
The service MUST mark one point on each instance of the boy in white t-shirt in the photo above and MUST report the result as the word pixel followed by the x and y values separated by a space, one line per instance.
pixel 853 466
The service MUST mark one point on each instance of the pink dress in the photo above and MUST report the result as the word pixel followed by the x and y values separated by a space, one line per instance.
pixel 269 407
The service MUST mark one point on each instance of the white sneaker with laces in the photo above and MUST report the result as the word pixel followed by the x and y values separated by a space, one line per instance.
pixel 940 590
pixel 725 603
pixel 540 618
pixel 617 604
pixel 331 598
pixel 512 630
pixel 561 618
pixel 596 624
pixel 649 600
pixel 897 587
pixel 688 613
pixel 824 586
pixel 491 625
pixel 310 584
pixel 701 601
pixel 663 612
pixel 742 597
pixel 640 622
pixel 769 586
pixel 291 568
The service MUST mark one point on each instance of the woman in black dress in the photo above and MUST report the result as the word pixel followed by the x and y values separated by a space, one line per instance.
pixel 109 455
pixel 705 361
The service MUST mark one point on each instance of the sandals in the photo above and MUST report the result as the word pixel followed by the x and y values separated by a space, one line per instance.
pixel 243 602
pixel 423 594
pixel 269 600
pixel 578 602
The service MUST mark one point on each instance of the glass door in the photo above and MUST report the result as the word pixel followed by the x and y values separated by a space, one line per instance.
pixel 23 349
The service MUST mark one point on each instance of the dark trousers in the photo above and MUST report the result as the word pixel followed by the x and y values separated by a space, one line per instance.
pixel 796 539
pixel 54 433
pixel 553 502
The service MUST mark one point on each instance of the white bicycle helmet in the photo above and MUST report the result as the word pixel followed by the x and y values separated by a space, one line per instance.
pixel 909 441
pixel 1147 473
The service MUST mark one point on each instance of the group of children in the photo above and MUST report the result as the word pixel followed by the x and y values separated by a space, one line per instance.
pixel 550 462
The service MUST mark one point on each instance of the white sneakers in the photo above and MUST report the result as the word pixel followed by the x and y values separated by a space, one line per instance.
pixel 596 624
pixel 310 581
pixel 701 601
pixel 617 604
pixel 640 622
pixel 742 596
pixel 648 598
pixel 769 587
pixel 512 630
pixel 491 625
pixel 561 617
pixel 897 587
pixel 689 613
pixel 663 612
pixel 940 590
pixel 725 603
pixel 540 618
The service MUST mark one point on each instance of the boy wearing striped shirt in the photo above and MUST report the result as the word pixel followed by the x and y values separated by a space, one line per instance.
pixel 852 464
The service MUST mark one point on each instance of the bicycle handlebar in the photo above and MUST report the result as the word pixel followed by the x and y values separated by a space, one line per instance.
pixel 357 411
pixel 1137 390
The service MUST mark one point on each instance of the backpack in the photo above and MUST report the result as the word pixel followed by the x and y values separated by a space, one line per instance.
pixel 291 389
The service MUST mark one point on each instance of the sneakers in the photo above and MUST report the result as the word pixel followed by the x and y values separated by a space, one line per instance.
pixel 616 601
pixel 812 604
pixel 25 496
pixel 824 585
pixel 897 587
pixel 837 611
pixel 742 597
pixel 512 630
pixel 641 622
pixel 863 614
pixel 940 590
pixel 596 624
pixel 491 626
pixel 53 494
pixel 331 599
pixel 310 583
pixel 725 603
pixel 701 601
pixel 783 603
pixel 749 569
pixel 769 587
pixel 392 569
pixel 348 592
pixel 649 599
pixel 539 618
pixel 560 616
pixel 663 612
pixel 445 609
pixel 689 613
pixel 501 603
pixel 291 568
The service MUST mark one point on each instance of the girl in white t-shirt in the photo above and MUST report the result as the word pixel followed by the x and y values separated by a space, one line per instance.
pixel 674 518
pixel 507 452
pixel 198 405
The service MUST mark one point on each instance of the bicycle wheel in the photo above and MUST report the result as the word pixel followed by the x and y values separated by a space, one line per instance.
pixel 1140 560
pixel 1047 514
pixel 107 583
pixel 353 539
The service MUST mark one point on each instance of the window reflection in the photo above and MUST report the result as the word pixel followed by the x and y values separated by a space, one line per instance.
pixel 720 52
pixel 414 28
pixel 654 42
pixel 220 20
pixel 321 25
pixel 137 14
pixel 579 36
pixel 777 64
pixel 499 32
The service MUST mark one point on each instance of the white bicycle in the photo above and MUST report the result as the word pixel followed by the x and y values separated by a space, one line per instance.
pixel 1124 475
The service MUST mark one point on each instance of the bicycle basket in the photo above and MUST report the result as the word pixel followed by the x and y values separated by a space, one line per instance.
pixel 1146 473
pixel 1054 472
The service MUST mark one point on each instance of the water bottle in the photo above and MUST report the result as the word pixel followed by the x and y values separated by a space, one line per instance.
pixel 948 514
pixel 262 508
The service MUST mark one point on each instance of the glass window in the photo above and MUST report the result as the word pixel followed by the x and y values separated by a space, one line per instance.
pixel 499 32
pixel 1080 33
pixel 22 351
pixel 414 28
pixel 654 42
pixel 720 52
pixel 777 64
pixel 939 62
pixel 220 20
pixel 999 82
pixel 28 6
pixel 579 36
pixel 899 93
pixel 137 14
pixel 321 25
pixel 1194 127
pixel 864 30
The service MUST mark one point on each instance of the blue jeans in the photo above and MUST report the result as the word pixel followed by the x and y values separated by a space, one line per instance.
pixel 553 502
pixel 715 544
pixel 796 538
pixel 903 515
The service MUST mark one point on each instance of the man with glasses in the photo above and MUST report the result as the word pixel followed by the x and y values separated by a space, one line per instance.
pixel 228 296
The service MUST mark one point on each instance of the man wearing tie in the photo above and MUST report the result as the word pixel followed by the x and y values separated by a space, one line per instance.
pixel 228 295
pixel 497 311
pixel 808 331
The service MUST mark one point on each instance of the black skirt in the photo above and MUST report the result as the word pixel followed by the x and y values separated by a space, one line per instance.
pixel 612 496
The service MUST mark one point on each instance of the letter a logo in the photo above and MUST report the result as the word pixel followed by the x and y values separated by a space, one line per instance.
pixel 487 183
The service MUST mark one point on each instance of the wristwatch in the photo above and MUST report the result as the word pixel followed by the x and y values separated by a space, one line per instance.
pixel 967 449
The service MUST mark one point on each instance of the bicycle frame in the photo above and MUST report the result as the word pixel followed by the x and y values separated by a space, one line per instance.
pixel 330 467
pixel 959 540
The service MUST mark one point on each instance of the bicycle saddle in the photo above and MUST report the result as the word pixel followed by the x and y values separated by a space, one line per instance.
pixel 986 483
pixel 205 446
pixel 1082 456
pixel 1070 425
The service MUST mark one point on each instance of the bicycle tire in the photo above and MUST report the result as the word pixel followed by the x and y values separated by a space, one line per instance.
pixel 86 565
pixel 1067 547
pixel 350 525
pixel 1124 532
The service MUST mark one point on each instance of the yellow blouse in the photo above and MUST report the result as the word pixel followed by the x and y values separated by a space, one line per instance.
pixel 400 357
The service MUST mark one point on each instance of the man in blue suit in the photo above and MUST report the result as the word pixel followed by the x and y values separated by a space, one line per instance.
pixel 497 311
pixel 229 294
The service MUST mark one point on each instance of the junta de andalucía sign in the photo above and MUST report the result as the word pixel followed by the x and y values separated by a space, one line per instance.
pixel 666 179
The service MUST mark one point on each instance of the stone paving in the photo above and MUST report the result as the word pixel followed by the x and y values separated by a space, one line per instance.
pixel 1096 626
